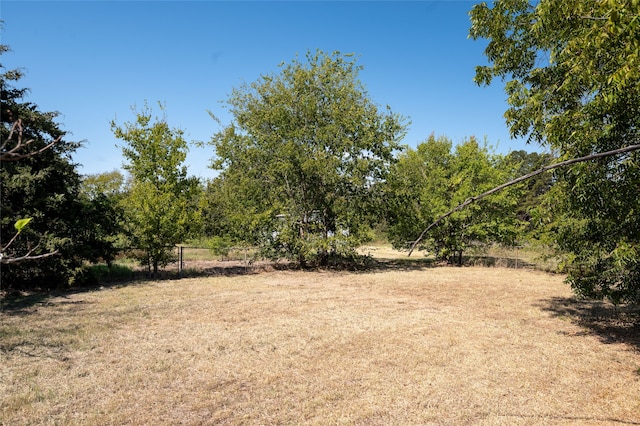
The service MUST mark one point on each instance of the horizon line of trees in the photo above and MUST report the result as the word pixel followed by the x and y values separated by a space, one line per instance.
pixel 310 167
pixel 311 186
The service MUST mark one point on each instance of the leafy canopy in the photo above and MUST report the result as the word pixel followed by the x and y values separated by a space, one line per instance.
pixel 304 151
pixel 436 177
pixel 159 204
pixel 572 71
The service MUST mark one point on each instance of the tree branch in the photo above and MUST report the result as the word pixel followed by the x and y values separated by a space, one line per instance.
pixel 518 180
pixel 13 154
pixel 3 249
pixel 595 18
pixel 6 260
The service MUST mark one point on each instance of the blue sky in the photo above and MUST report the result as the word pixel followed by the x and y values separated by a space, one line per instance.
pixel 93 60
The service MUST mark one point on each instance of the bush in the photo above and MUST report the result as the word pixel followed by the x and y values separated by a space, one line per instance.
pixel 219 246
pixel 98 274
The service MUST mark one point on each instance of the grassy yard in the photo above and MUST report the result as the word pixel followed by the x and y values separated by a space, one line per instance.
pixel 406 345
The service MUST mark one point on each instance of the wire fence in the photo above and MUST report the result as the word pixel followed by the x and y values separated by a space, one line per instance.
pixel 196 257
pixel 188 260
pixel 193 259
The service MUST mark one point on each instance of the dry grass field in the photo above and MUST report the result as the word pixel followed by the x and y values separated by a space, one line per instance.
pixel 412 346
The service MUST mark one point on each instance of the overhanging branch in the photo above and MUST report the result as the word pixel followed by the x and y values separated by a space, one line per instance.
pixel 518 180
pixel 28 256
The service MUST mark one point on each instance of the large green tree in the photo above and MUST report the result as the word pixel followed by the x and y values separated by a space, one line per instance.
pixel 303 154
pixel 436 177
pixel 160 206
pixel 572 71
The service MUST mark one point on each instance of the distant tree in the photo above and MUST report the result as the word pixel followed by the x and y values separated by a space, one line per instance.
pixel 108 184
pixel 522 163
pixel 101 197
pixel 224 214
pixel 303 155
pixel 573 83
pixel 436 177
pixel 159 204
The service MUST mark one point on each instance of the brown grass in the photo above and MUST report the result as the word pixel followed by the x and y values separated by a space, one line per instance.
pixel 423 346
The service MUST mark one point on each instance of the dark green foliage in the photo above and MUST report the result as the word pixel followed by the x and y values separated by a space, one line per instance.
pixel 101 198
pixel 44 187
pixel 598 228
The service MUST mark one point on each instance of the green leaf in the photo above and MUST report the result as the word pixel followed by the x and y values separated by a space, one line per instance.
pixel 20 224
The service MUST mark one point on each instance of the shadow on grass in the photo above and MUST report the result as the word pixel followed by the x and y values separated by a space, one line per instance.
pixel 18 302
pixel 361 264
pixel 611 324
pixel 21 302
pixel 400 264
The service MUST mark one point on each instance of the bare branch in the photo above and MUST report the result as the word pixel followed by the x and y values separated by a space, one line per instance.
pixel 14 153
pixel 518 180
pixel 3 249
pixel 595 18
pixel 28 256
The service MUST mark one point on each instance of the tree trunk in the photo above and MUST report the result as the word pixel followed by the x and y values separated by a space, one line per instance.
pixel 302 261
pixel 324 254
pixel 324 258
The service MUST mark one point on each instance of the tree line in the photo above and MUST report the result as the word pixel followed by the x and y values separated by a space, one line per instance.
pixel 310 167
